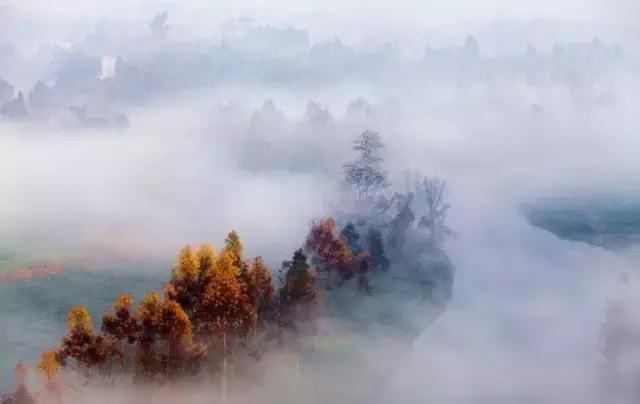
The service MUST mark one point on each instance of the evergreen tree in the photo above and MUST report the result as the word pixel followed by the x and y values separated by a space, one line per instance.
pixel 365 175
pixel 378 258
pixel 350 233
pixel 298 294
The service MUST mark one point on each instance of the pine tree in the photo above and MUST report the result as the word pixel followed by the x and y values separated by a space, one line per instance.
pixel 365 175
pixel 298 293
pixel 376 250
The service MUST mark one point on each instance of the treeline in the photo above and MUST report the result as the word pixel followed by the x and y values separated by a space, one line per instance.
pixel 220 311
pixel 217 306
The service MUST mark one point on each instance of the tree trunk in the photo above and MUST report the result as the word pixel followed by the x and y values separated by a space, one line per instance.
pixel 224 367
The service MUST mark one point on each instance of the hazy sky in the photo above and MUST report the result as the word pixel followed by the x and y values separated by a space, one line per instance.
pixel 360 22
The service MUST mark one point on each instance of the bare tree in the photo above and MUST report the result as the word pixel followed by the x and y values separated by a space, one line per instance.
pixel 433 195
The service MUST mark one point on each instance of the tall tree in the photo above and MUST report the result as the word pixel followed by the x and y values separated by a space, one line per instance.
pixel 122 329
pixel 261 292
pixel 206 257
pixel 365 175
pixel 233 244
pixel 189 278
pixel 180 356
pixel 225 308
pixel 298 294
pixel 402 222
pixel 376 249
pixel 166 347
pixel 49 369
pixel 147 363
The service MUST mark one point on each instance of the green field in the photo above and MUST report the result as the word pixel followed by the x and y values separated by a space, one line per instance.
pixel 602 223
pixel 34 312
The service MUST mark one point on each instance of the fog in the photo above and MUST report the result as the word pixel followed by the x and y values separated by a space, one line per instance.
pixel 240 117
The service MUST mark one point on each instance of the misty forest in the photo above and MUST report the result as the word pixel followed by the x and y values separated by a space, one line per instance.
pixel 395 202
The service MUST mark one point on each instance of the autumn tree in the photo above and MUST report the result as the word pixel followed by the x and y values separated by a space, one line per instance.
pixel 213 304
pixel 187 266
pixel 180 356
pixel 233 244
pixel 365 175
pixel 330 251
pixel 166 347
pixel 49 369
pixel 260 313
pixel 223 306
pixel 120 323
pixel 225 313
pixel 206 257
pixel 121 327
pixel 88 349
pixel 261 292
pixel 186 284
pixel 147 361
